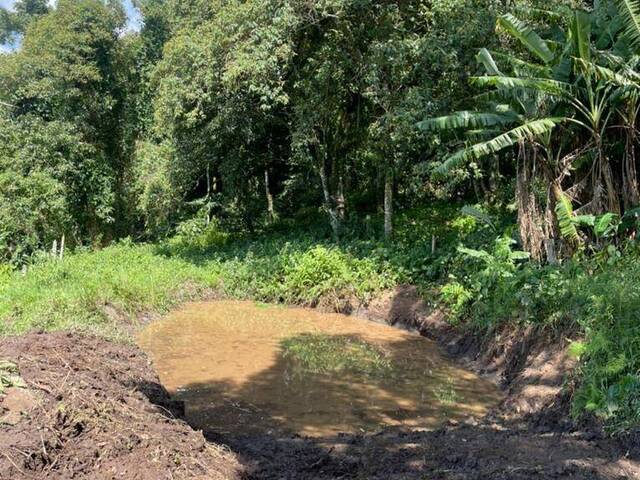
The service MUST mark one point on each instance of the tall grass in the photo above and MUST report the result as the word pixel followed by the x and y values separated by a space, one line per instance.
pixel 79 292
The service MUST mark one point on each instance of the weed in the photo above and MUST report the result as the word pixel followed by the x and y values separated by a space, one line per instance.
pixel 9 376
pixel 317 353
pixel 446 393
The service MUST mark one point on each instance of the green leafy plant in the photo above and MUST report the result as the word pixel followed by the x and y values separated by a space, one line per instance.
pixel 456 296
pixel 9 376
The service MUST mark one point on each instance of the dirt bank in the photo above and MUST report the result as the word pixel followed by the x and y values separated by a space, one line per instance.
pixel 94 410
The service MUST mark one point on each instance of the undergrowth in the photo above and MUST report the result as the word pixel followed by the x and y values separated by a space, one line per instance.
pixel 595 299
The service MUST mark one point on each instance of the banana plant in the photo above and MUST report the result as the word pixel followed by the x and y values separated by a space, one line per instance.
pixel 556 104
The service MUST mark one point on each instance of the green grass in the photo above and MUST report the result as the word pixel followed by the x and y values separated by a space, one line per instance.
pixel 78 292
pixel 93 291
pixel 318 353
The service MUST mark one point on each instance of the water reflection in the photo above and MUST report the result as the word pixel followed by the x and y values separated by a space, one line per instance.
pixel 225 361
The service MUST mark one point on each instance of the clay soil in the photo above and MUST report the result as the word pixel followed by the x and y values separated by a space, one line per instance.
pixel 93 409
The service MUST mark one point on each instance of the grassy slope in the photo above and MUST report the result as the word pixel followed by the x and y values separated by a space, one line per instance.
pixel 599 298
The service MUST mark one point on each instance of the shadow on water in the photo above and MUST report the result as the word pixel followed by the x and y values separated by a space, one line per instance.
pixel 287 398
pixel 224 361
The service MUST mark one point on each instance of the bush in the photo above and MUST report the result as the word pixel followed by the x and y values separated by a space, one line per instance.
pixel 199 233
pixel 456 297
pixel 328 273
pixel 594 297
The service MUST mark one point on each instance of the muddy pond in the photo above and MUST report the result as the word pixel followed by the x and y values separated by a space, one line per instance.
pixel 242 367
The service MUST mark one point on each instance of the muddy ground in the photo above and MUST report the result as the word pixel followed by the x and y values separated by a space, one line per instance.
pixel 94 410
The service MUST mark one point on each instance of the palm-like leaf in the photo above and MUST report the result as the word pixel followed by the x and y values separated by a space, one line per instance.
pixel 486 59
pixel 622 78
pixel 545 85
pixel 467 119
pixel 580 31
pixel 527 36
pixel 630 15
pixel 606 224
pixel 523 67
pixel 526 131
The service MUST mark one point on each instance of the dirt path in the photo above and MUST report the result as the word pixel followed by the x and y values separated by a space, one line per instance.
pixel 94 410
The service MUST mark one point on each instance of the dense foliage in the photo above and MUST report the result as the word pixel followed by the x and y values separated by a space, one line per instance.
pixel 306 152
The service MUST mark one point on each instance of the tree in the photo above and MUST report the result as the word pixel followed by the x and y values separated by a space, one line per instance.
pixel 557 109
pixel 69 74
pixel 13 23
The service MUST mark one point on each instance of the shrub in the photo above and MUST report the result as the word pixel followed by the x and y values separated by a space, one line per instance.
pixel 456 297
pixel 324 272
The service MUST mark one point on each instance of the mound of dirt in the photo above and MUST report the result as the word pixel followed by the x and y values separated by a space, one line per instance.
pixel 91 409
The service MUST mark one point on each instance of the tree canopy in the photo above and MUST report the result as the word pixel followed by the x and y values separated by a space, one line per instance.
pixel 250 111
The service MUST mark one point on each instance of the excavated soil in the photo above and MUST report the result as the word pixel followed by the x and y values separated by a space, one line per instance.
pixel 93 409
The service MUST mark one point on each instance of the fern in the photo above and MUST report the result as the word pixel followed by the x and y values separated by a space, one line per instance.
pixel 564 215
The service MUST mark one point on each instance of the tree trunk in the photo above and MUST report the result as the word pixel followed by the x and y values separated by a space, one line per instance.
pixel 388 204
pixel 270 209
pixel 630 189
pixel 530 216
pixel 605 192
pixel 554 242
pixel 334 220
pixel 340 201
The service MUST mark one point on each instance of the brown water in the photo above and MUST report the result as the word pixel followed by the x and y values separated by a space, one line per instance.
pixel 225 361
